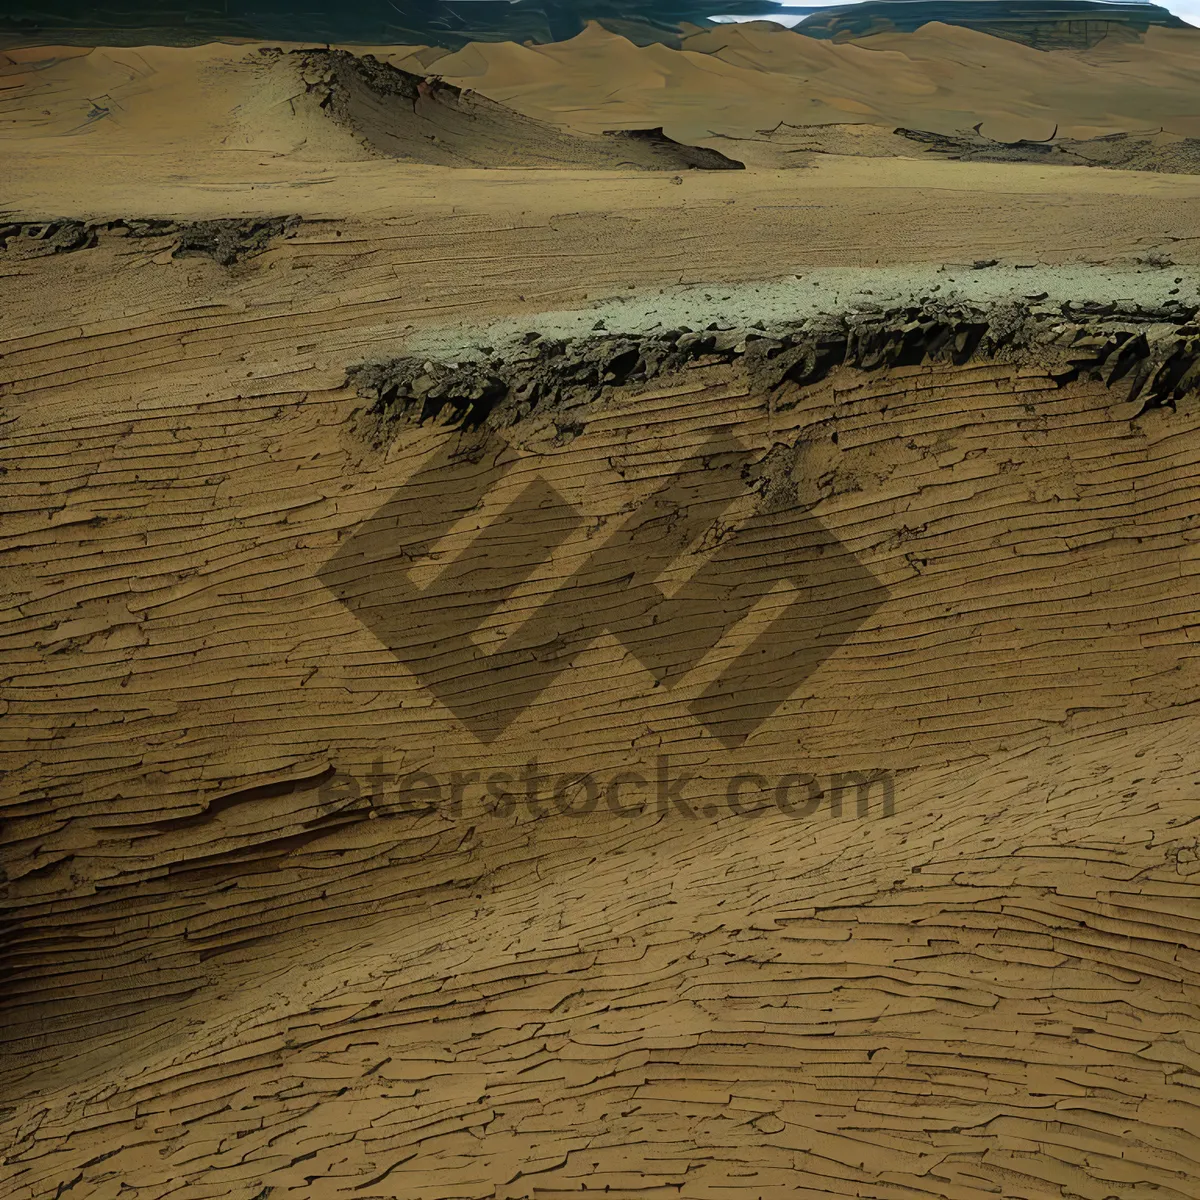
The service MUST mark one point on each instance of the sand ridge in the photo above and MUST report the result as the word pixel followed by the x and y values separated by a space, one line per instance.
pixel 418 119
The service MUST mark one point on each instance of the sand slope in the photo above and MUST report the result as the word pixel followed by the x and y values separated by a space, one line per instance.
pixel 421 120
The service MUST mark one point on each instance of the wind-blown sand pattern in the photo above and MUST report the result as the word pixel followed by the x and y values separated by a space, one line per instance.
pixel 302 439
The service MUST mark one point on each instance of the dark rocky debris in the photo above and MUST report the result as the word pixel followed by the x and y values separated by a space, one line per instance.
pixel 226 241
pixel 1153 352
pixel 35 239
pixel 230 241
pixel 1117 151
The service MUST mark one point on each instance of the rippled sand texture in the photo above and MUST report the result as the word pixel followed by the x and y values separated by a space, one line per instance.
pixel 240 963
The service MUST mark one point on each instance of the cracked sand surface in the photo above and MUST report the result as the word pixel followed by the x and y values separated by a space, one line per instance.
pixel 234 974
pixel 993 988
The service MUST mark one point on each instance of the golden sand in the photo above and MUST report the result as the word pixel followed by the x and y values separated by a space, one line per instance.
pixel 233 974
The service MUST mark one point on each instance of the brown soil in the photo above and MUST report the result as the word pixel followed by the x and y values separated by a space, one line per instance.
pixel 854 647
pixel 214 861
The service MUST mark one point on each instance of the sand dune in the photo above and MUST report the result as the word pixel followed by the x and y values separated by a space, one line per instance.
pixel 943 78
pixel 601 77
pixel 732 81
pixel 420 120
pixel 146 101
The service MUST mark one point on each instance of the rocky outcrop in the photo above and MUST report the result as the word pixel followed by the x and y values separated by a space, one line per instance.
pixel 1119 151
pixel 225 240
pixel 1061 25
pixel 1154 353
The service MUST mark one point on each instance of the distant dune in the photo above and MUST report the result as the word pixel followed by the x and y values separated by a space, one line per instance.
pixel 452 24
pixel 736 79
pixel 503 104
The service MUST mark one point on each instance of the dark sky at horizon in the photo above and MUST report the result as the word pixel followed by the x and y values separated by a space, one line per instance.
pixel 378 21
pixel 445 22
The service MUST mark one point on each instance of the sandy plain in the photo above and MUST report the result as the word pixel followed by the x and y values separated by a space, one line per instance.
pixel 232 973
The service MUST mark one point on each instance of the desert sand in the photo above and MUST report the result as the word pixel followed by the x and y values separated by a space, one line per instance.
pixel 736 79
pixel 302 441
